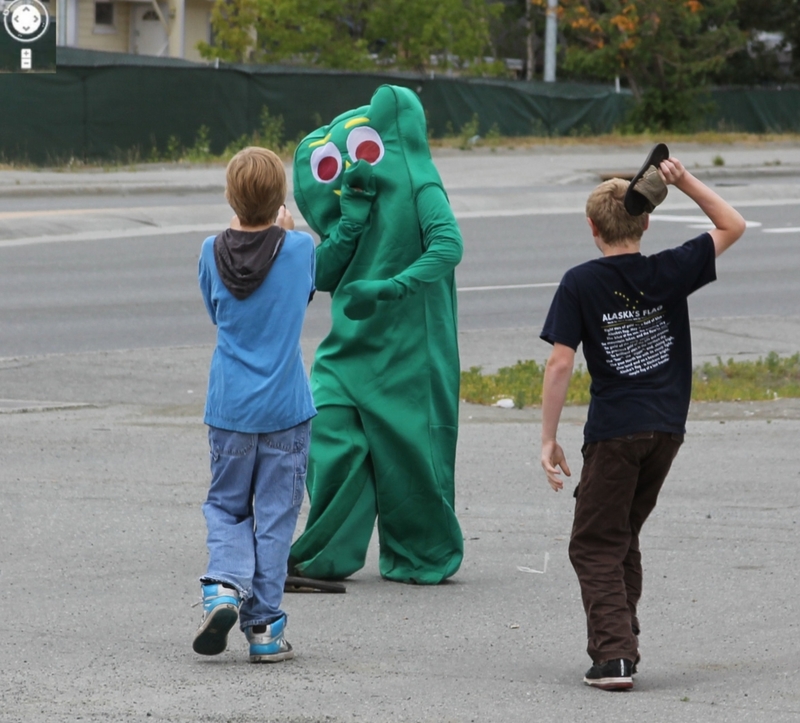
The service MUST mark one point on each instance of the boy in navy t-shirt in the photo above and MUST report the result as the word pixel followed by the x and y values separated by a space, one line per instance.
pixel 630 313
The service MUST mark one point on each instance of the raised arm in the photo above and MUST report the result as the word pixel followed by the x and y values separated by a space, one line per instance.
pixel 728 222
pixel 336 250
pixel 557 373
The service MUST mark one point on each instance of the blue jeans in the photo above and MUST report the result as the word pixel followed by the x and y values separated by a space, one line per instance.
pixel 257 486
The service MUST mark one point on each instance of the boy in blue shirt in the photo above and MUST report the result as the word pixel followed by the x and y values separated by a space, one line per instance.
pixel 630 313
pixel 256 278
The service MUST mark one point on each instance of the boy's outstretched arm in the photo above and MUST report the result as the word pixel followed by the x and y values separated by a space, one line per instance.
pixel 557 373
pixel 728 222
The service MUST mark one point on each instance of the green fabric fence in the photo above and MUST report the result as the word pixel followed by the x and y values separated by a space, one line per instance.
pixel 103 105
pixel 755 110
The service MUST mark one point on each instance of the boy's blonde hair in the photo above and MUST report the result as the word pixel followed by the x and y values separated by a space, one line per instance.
pixel 606 207
pixel 255 185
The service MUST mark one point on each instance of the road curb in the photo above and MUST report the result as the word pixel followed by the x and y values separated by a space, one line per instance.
pixel 127 189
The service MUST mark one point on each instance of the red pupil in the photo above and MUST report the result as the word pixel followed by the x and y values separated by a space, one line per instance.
pixel 328 168
pixel 368 151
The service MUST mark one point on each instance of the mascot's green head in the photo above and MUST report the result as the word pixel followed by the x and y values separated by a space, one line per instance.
pixel 389 133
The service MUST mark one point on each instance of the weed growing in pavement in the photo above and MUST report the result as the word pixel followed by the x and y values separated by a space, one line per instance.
pixel 465 139
pixel 772 377
pixel 521 382
pixel 174 150
pixel 200 152
pixel 269 134
pixel 468 136
pixel 493 136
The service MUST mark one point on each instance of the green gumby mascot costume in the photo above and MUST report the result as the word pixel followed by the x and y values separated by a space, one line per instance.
pixel 386 378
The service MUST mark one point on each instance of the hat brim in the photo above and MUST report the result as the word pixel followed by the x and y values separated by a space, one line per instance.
pixel 635 203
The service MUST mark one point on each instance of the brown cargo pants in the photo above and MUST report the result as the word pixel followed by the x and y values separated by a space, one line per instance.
pixel 619 486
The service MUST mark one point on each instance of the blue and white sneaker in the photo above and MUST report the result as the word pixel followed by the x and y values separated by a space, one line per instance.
pixel 267 644
pixel 220 613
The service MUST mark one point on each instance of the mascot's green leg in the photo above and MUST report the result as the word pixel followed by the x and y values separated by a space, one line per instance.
pixel 341 489
pixel 420 538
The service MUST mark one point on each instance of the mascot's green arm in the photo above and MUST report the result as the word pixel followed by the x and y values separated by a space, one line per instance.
pixel 336 251
pixel 441 238
pixel 334 255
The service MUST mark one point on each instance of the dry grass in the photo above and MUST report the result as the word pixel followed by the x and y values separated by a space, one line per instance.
pixel 198 154
pixel 624 140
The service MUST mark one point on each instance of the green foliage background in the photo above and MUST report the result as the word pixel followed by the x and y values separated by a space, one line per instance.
pixel 667 52
pixel 356 34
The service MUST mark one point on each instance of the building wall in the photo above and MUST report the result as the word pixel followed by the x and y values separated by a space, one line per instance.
pixel 198 26
pixel 83 33
pixel 114 38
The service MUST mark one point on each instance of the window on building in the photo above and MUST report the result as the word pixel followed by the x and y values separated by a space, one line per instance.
pixel 103 13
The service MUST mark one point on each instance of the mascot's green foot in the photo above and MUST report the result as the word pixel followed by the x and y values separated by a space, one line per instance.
pixel 295 583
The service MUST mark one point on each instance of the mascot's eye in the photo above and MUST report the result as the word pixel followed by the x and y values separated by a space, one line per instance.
pixel 326 163
pixel 364 144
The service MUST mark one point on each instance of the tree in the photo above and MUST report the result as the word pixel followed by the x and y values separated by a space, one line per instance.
pixel 667 50
pixel 328 33
pixel 232 24
pixel 761 61
pixel 455 32
pixel 516 30
pixel 353 34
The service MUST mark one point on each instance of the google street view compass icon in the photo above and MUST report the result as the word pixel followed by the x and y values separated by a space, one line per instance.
pixel 26 20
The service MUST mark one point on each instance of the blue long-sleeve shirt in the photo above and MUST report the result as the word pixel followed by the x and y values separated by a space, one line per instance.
pixel 257 381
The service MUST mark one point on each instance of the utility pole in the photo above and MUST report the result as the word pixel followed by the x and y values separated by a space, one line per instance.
pixel 550 40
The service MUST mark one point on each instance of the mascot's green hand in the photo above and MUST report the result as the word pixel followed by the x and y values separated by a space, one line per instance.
pixel 364 296
pixel 358 193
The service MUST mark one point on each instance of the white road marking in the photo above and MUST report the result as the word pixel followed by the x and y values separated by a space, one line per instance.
pixel 200 227
pixel 677 219
pixel 702 221
pixel 108 235
pixel 508 286
pixel 787 229
pixel 510 213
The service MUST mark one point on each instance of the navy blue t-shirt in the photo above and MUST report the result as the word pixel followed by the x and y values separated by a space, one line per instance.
pixel 630 313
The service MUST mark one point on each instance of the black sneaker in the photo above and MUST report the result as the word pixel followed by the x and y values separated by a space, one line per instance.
pixel 611 675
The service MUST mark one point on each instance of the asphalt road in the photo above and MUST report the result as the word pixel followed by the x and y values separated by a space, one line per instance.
pixel 141 291
pixel 104 350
